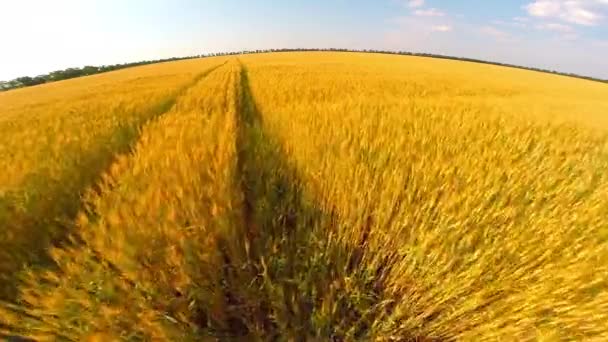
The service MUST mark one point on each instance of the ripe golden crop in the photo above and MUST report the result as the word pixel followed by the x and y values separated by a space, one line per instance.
pixel 146 247
pixel 317 196
pixel 474 215
pixel 56 139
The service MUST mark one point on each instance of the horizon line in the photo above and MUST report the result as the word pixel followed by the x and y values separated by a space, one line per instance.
pixel 271 50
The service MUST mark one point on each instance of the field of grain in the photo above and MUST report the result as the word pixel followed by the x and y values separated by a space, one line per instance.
pixel 57 139
pixel 305 196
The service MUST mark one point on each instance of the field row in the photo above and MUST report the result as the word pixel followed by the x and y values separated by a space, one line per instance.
pixel 57 144
pixel 144 252
pixel 470 222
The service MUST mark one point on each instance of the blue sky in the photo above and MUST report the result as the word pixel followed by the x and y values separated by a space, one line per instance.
pixel 39 36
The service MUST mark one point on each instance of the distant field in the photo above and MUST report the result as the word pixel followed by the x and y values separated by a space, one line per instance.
pixel 305 196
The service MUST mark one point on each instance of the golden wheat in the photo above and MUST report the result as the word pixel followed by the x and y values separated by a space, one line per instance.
pixel 56 139
pixel 146 254
pixel 476 219
pixel 318 196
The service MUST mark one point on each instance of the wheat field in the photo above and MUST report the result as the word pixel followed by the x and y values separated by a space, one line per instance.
pixel 305 197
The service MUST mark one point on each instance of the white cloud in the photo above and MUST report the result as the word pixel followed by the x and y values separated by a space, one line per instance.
pixel 556 27
pixel 566 33
pixel 547 8
pixel 517 22
pixel 497 34
pixel 415 3
pixel 581 12
pixel 441 28
pixel 570 36
pixel 496 43
pixel 431 12
pixel 423 28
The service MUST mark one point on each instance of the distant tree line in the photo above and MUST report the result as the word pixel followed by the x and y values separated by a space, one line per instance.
pixel 59 75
